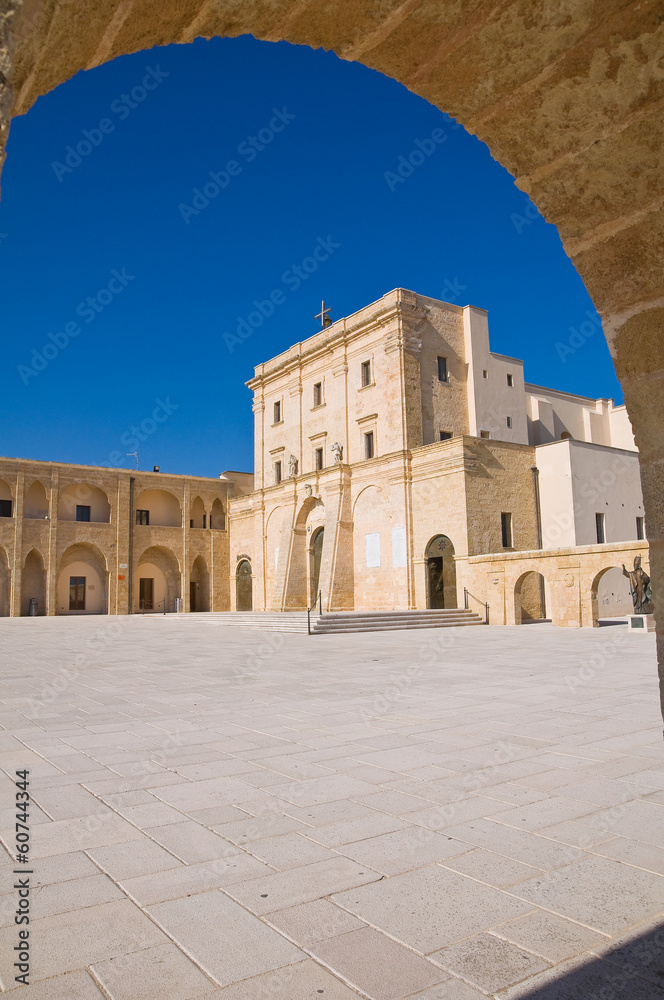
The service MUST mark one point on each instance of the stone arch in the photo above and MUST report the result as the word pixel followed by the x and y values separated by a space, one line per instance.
pixel 76 498
pixel 33 582
pixel 573 114
pixel 5 584
pixel 243 586
pixel 198 518
pixel 163 508
pixel 160 565
pixel 199 586
pixel 315 559
pixel 311 513
pixel 440 567
pixel 530 598
pixel 85 562
pixel 273 546
pixel 35 504
pixel 218 515
pixel 610 594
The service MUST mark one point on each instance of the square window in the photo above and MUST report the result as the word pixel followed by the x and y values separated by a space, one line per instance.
pixel 277 412
pixel 600 528
pixel 506 529
pixel 510 380
pixel 485 434
pixel 82 512
pixel 369 445
pixel 142 517
pixel 640 528
pixel 445 435
pixel 318 459
pixel 318 393
pixel 277 473
pixel 442 370
pixel 509 421
pixel 5 508
pixel 366 373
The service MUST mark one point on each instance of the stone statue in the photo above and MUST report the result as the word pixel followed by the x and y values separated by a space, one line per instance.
pixel 337 452
pixel 292 466
pixel 639 584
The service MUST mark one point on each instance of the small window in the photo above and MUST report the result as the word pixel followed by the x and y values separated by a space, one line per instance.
pixel 77 593
pixel 277 473
pixel 191 522
pixel 205 520
pixel 506 529
pixel 485 434
pixel 142 517
pixel 640 528
pixel 82 512
pixel 509 421
pixel 485 373
pixel 318 459
pixel 277 412
pixel 442 370
pixel 600 529
pixel 366 373
pixel 445 435
pixel 369 445
pixel 510 381
pixel 318 393
pixel 5 508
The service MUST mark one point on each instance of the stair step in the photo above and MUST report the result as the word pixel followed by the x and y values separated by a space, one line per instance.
pixel 338 622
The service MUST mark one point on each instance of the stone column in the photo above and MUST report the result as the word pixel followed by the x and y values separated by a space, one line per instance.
pixel 17 567
pixel 52 555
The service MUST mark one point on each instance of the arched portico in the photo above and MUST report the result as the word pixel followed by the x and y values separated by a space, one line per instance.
pixel 199 586
pixel 440 568
pixel 156 580
pixel 33 583
pixel 82 582
pixel 530 603
pixel 5 584
pixel 610 594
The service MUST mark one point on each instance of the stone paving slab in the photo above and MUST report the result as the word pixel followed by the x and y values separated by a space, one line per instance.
pixel 441 815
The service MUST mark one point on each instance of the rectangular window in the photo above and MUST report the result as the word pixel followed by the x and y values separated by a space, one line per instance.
pixel 318 393
pixel 318 459
pixel 142 517
pixel 640 528
pixel 146 594
pixel 369 445
pixel 366 373
pixel 205 520
pixel 509 421
pixel 442 370
pixel 77 593
pixel 506 529
pixel 485 373
pixel 510 380
pixel 485 434
pixel 277 473
pixel 599 528
pixel 5 508
pixel 277 412
pixel 445 435
pixel 82 512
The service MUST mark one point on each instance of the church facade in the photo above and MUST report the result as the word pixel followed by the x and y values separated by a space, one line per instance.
pixel 399 463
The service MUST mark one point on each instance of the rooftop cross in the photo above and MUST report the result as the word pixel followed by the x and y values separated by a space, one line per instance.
pixel 325 320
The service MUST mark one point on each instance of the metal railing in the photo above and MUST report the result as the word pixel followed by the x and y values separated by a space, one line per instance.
pixel 319 602
pixel 153 607
pixel 466 595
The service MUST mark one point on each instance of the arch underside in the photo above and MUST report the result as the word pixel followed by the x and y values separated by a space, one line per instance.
pixel 570 103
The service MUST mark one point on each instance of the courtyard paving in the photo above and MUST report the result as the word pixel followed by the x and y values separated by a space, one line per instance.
pixel 442 814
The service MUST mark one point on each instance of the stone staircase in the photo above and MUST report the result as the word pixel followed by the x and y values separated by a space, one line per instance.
pixel 337 621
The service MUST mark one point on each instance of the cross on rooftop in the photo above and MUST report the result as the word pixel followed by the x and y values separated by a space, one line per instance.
pixel 325 320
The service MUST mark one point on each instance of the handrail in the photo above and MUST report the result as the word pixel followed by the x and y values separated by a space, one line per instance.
pixel 318 601
pixel 485 604
pixel 142 607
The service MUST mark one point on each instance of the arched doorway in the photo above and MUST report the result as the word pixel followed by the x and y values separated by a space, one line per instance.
pixel 316 552
pixel 243 595
pixel 82 584
pixel 156 582
pixel 529 598
pixel 441 573
pixel 199 586
pixel 33 583
pixel 610 595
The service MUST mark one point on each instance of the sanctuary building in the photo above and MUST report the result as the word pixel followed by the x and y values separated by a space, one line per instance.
pixel 399 464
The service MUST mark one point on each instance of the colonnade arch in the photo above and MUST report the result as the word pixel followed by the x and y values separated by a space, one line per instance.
pixel 82 582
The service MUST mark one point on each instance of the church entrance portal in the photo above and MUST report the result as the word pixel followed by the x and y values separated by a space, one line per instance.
pixel 316 553
pixel 441 573
pixel 243 587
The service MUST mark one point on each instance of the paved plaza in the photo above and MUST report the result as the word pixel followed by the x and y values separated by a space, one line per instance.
pixel 446 814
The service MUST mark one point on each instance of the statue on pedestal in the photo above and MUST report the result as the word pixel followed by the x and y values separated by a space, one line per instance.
pixel 292 467
pixel 337 452
pixel 639 585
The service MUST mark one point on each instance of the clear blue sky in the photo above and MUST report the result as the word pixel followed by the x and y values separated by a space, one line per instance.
pixel 457 228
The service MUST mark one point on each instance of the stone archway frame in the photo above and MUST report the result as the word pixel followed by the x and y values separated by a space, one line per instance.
pixel 450 582
pixel 575 114
pixel 538 584
pixel 97 562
